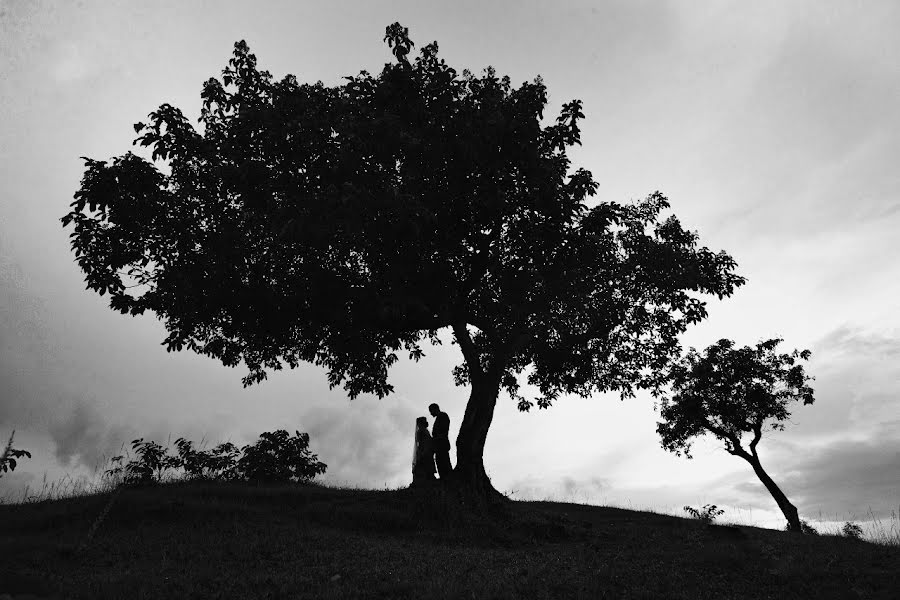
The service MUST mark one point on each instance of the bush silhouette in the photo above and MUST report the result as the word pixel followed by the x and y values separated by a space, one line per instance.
pixel 278 457
pixel 707 514
pixel 852 530
pixel 218 463
pixel 275 457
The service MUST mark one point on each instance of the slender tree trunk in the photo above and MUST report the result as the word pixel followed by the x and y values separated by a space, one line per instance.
pixel 788 509
pixel 469 473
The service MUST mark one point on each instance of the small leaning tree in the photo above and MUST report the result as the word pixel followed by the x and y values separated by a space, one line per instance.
pixel 344 225
pixel 732 392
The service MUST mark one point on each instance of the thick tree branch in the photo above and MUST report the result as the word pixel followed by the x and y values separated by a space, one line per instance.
pixel 483 325
pixel 470 352
pixel 730 437
pixel 757 435
pixel 506 350
pixel 481 259
pixel 739 451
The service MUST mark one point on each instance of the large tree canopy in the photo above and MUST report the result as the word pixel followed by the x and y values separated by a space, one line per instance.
pixel 342 225
pixel 735 394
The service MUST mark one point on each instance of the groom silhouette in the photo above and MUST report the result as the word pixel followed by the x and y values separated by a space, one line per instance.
pixel 440 433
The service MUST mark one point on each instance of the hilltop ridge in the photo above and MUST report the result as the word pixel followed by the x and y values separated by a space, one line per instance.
pixel 211 540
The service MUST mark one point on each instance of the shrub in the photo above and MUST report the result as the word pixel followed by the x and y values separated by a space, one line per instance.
pixel 116 471
pixel 192 461
pixel 222 462
pixel 275 457
pixel 219 463
pixel 153 461
pixel 278 457
pixel 9 456
pixel 852 530
pixel 707 514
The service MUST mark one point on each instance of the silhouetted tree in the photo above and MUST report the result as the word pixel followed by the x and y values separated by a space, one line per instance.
pixel 729 392
pixel 344 225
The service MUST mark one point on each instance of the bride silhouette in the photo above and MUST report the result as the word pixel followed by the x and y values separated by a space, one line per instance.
pixel 423 454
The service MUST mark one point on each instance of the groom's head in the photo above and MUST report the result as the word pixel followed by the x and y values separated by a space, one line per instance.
pixel 434 409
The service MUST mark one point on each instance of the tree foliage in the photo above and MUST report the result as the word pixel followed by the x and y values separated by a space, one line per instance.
pixel 729 392
pixel 344 225
pixel 9 456
pixel 153 460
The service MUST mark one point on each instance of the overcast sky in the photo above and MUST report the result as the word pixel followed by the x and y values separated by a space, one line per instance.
pixel 773 128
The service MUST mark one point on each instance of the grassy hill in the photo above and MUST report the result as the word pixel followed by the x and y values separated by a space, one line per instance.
pixel 221 540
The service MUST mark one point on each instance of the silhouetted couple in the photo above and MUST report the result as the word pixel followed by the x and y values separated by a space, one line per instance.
pixel 431 448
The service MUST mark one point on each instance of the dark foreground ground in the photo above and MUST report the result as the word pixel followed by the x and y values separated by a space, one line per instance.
pixel 206 540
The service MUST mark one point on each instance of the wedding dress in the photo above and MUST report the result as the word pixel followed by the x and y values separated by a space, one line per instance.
pixel 423 456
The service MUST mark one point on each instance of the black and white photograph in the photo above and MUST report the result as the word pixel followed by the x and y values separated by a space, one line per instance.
pixel 414 299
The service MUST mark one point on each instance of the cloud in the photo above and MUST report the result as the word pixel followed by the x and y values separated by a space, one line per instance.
pixel 841 479
pixel 855 342
pixel 22 314
pixel 857 384
pixel 565 489
pixel 82 435
pixel 31 398
pixel 70 64
pixel 850 477
pixel 368 443
pixel 25 346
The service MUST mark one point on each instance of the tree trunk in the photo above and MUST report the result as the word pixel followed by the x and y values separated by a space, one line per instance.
pixel 788 509
pixel 469 473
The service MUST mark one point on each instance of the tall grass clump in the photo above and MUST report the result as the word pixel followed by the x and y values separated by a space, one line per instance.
pixel 881 532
